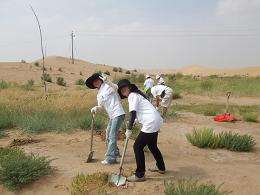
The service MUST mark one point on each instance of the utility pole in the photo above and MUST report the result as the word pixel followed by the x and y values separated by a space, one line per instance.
pixel 72 47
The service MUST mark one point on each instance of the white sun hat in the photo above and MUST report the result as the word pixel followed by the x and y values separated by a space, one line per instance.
pixel 158 77
pixel 147 76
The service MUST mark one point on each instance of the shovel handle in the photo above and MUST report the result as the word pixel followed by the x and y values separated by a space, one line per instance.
pixel 92 131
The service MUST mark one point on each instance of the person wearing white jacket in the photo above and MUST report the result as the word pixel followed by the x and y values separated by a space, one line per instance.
pixel 151 121
pixel 108 98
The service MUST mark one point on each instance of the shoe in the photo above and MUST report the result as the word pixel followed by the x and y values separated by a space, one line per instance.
pixel 155 169
pixel 134 178
pixel 106 162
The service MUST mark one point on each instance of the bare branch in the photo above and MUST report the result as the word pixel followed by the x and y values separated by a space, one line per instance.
pixel 43 67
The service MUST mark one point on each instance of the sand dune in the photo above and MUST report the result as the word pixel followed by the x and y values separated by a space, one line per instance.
pixel 61 67
pixel 55 66
pixel 205 71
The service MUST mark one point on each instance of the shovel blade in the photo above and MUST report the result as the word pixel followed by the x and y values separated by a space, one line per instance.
pixel 90 157
pixel 118 180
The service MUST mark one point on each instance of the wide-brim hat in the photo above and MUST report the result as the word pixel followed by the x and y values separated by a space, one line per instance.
pixel 90 80
pixel 123 83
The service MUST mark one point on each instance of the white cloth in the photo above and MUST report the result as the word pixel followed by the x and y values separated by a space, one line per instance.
pixel 109 99
pixel 146 114
pixel 149 83
pixel 161 81
pixel 157 90
pixel 167 99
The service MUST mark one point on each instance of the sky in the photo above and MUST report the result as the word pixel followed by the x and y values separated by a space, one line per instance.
pixel 135 33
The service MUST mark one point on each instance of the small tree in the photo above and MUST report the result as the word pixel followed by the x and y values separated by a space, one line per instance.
pixel 115 69
pixel 60 81
pixel 46 77
pixel 80 82
pixel 128 72
pixel 36 64
pixel 120 69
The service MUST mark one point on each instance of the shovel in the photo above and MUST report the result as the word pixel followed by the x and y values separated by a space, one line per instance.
pixel 119 179
pixel 227 104
pixel 90 156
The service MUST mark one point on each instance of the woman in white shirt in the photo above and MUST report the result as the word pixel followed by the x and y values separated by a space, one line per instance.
pixel 149 117
pixel 108 98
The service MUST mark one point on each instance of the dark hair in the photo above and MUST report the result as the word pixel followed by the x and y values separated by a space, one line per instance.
pixel 136 90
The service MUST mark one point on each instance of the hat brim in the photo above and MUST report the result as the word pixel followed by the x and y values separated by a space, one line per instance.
pixel 90 80
pixel 132 86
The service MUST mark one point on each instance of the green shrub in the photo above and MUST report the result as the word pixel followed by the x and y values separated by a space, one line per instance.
pixel 60 69
pixel 206 84
pixel 80 82
pixel 135 70
pixel 128 72
pixel 29 85
pixel 210 113
pixel 3 84
pixel 37 122
pixel 5 118
pixel 60 81
pixel 115 69
pixel 250 117
pixel 120 69
pixel 46 77
pixel 36 64
pixel 203 138
pixel 176 95
pixel 206 138
pixel 80 73
pixel 2 134
pixel 18 169
pixel 189 187
pixel 236 142
pixel 88 184
pixel 85 122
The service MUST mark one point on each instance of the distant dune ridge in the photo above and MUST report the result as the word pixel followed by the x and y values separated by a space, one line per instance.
pixel 61 67
pixel 205 71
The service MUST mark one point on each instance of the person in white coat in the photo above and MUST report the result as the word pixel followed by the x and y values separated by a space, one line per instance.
pixel 148 84
pixel 108 98
pixel 159 79
pixel 164 94
pixel 151 121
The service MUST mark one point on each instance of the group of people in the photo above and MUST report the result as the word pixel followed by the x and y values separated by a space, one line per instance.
pixel 140 109
pixel 160 91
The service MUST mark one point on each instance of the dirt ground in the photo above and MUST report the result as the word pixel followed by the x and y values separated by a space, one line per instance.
pixel 238 171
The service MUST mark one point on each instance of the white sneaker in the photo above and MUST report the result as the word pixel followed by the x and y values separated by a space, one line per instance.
pixel 105 162
pixel 134 178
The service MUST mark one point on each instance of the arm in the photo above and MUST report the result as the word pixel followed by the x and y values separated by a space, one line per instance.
pixel 114 86
pixel 157 100
pixel 105 80
pixel 131 120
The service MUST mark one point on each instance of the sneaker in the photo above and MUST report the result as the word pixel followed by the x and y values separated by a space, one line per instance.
pixel 134 178
pixel 106 162
pixel 155 169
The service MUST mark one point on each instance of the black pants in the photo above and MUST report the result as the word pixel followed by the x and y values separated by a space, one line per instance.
pixel 149 139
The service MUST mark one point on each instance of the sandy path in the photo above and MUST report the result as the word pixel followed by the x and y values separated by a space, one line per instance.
pixel 238 171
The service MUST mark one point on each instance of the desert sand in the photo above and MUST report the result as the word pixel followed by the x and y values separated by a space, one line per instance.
pixel 238 171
